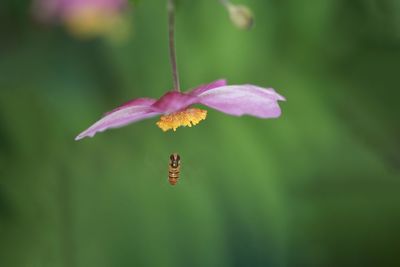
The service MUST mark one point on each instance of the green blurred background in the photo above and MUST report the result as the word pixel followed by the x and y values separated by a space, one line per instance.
pixel 317 187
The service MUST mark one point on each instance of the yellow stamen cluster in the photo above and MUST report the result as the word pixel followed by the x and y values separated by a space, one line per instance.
pixel 92 22
pixel 187 117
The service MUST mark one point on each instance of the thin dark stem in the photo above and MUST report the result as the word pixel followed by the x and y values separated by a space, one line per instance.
pixel 172 53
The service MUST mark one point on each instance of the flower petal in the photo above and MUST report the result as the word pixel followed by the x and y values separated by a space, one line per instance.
pixel 174 101
pixel 205 87
pixel 130 112
pixel 144 101
pixel 239 100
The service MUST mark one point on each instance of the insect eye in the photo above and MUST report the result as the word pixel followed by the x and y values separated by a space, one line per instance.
pixel 172 157
pixel 178 158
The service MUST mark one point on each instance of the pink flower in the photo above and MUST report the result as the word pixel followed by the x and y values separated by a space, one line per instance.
pixel 176 108
pixel 84 18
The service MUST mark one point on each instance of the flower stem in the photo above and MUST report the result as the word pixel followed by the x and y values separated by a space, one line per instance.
pixel 172 53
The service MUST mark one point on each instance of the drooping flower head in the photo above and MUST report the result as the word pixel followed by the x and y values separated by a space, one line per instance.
pixel 84 18
pixel 176 108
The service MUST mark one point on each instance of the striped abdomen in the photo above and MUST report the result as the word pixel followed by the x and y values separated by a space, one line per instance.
pixel 173 175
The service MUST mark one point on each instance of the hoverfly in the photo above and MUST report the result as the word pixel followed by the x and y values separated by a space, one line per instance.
pixel 174 168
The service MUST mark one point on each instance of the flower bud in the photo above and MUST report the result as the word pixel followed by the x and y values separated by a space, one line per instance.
pixel 241 16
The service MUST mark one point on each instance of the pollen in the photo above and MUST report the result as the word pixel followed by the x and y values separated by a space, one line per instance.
pixel 187 117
